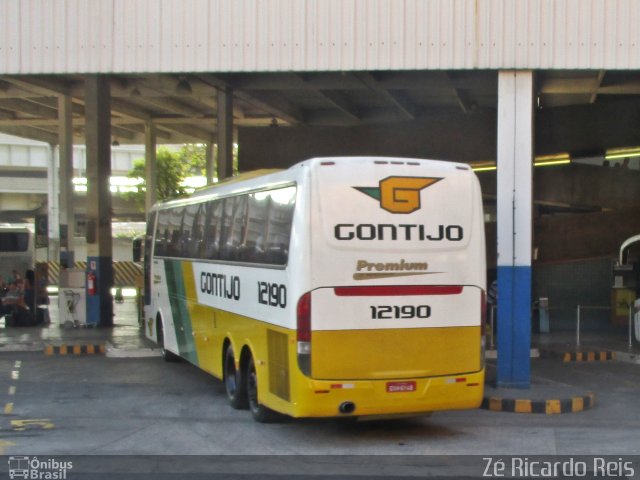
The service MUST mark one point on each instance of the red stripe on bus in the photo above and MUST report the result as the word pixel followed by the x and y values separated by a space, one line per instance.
pixel 397 290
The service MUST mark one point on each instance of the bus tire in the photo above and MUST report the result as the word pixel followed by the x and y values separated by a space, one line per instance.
pixel 260 413
pixel 167 356
pixel 234 384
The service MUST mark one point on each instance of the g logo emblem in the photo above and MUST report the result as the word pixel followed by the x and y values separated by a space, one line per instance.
pixel 402 194
pixel 399 194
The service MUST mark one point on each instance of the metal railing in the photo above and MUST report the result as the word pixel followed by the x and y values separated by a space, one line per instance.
pixel 492 316
pixel 579 310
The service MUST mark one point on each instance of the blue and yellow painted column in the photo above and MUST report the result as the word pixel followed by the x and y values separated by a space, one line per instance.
pixel 99 240
pixel 514 181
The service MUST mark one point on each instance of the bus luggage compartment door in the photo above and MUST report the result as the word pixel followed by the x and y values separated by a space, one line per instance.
pixel 394 332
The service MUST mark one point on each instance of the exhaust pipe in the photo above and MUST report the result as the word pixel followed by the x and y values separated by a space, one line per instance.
pixel 347 407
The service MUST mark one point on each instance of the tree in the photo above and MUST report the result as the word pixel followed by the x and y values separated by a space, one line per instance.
pixel 171 171
pixel 194 155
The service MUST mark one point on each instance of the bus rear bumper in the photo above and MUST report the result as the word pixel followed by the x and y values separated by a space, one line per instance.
pixel 320 398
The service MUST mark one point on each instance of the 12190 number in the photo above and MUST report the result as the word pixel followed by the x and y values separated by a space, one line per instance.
pixel 272 294
pixel 390 312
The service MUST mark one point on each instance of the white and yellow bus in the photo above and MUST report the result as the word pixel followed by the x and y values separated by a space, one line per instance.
pixel 17 250
pixel 337 287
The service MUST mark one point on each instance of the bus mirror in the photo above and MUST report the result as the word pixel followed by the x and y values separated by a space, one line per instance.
pixel 137 249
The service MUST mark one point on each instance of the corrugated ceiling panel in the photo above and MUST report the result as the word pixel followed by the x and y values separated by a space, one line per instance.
pixel 560 34
pixel 39 36
pixel 9 54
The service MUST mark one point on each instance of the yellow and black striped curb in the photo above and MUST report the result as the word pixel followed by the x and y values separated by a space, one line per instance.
pixel 584 356
pixel 125 274
pixel 75 349
pixel 592 356
pixel 548 407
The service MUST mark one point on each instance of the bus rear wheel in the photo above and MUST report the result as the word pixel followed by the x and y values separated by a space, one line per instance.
pixel 234 384
pixel 259 412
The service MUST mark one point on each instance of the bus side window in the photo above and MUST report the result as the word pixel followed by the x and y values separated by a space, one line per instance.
pixel 253 247
pixel 189 230
pixel 210 248
pixel 162 233
pixel 194 244
pixel 175 228
pixel 280 220
pixel 233 227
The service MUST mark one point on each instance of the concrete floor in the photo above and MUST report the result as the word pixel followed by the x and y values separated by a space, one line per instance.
pixel 140 405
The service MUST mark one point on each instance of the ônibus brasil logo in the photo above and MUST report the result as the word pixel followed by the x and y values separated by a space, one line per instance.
pixel 399 194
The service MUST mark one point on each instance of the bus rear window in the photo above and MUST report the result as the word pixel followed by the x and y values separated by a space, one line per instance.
pixel 14 241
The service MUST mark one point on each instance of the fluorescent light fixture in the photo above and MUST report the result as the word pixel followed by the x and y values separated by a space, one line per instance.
pixel 618 153
pixel 484 169
pixel 548 163
pixel 540 161
pixel 547 160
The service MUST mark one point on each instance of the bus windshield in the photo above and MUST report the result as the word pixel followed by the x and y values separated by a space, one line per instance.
pixel 14 241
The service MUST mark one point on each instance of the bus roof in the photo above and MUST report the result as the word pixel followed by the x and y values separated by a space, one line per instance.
pixel 237 179
pixel 7 227
pixel 272 177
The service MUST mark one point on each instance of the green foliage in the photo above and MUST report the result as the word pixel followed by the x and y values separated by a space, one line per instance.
pixel 194 155
pixel 171 171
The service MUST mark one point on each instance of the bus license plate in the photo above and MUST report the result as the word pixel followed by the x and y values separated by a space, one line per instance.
pixel 396 387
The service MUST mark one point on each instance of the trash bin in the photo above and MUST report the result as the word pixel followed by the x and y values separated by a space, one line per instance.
pixel 72 306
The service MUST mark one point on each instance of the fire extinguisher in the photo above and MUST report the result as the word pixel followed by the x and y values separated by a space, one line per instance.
pixel 91 283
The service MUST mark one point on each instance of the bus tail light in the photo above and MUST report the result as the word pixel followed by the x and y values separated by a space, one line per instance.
pixel 483 326
pixel 303 333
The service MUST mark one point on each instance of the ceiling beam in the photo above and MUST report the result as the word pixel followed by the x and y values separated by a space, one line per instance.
pixel 401 102
pixel 52 103
pixel 10 90
pixel 127 109
pixel 462 97
pixel 273 104
pixel 44 86
pixel 628 87
pixel 194 134
pixel 334 98
pixel 590 85
pixel 27 107
pixel 267 81
pixel 154 86
pixel 595 93
pixel 171 105
pixel 32 133
pixel 339 101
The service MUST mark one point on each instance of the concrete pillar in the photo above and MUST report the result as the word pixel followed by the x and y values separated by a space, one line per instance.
pixel 99 237
pixel 150 166
pixel 514 188
pixel 210 155
pixel 53 189
pixel 225 133
pixel 65 174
